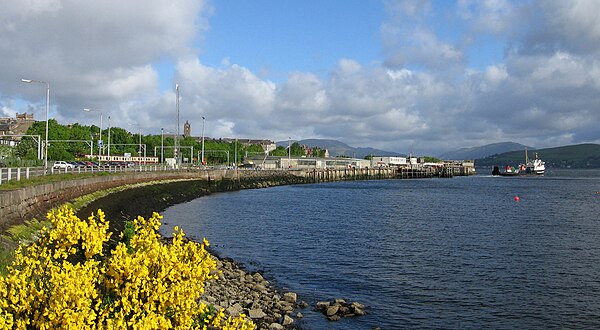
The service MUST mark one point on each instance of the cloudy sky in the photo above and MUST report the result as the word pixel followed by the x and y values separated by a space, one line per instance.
pixel 407 76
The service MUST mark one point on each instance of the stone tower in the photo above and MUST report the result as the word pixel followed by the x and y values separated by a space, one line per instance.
pixel 187 129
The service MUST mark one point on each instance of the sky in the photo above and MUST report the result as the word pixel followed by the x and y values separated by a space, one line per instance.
pixel 420 77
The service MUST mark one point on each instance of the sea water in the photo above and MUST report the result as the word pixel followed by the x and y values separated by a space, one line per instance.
pixel 457 253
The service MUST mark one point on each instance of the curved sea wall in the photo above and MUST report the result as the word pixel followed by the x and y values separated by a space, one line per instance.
pixel 144 200
pixel 17 206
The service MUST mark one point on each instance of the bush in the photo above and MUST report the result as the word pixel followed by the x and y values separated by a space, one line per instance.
pixel 69 279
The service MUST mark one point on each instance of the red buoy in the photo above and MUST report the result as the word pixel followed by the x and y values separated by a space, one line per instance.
pixel 517 198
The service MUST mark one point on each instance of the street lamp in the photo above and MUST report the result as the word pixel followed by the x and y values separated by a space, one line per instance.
pixel 202 160
pixel 29 81
pixel 177 151
pixel 140 147
pixel 289 152
pixel 100 145
pixel 108 137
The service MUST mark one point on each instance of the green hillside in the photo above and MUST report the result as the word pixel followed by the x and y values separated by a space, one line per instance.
pixel 576 156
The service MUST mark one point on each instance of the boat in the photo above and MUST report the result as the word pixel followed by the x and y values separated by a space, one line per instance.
pixel 509 171
pixel 535 167
pixel 531 167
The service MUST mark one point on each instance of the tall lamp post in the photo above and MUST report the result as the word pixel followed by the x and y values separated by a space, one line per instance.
pixel 108 142
pixel 100 144
pixel 162 145
pixel 289 152
pixel 140 144
pixel 29 81
pixel 177 151
pixel 202 160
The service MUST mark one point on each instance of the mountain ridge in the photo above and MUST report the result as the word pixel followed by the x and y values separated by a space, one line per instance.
pixel 484 151
pixel 338 148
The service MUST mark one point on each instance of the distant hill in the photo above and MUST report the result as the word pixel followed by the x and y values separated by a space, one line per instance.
pixel 483 151
pixel 575 156
pixel 337 148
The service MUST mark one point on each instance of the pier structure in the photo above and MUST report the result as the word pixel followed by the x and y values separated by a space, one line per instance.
pixel 330 174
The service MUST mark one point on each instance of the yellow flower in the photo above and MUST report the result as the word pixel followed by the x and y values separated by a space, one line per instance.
pixel 64 280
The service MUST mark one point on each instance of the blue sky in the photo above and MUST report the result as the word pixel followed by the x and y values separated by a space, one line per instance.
pixel 429 76
pixel 277 37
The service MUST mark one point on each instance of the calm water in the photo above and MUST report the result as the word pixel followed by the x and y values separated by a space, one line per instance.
pixel 429 253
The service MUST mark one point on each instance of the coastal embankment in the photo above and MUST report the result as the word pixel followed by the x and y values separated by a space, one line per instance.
pixel 236 290
pixel 19 205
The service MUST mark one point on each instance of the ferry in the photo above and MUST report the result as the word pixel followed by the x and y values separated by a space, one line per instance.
pixel 536 167
pixel 531 167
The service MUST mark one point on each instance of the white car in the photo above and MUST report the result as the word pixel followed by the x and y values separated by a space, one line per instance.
pixel 62 164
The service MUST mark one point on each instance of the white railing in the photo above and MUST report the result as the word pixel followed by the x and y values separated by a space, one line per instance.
pixel 24 173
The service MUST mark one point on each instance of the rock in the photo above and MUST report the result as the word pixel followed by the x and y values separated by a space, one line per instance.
pixel 256 313
pixel 276 326
pixel 303 304
pixel 260 287
pixel 287 320
pixel 339 302
pixel 334 318
pixel 322 305
pixel 299 315
pixel 332 310
pixel 257 277
pixel 359 312
pixel 290 297
pixel 344 310
pixel 358 305
pixel 234 310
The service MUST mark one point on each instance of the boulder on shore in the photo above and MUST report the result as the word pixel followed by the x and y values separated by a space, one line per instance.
pixel 339 308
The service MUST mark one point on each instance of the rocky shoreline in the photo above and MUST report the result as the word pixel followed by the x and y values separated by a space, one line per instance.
pixel 237 291
pixel 234 290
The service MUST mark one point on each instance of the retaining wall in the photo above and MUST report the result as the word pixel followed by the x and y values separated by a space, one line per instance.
pixel 19 205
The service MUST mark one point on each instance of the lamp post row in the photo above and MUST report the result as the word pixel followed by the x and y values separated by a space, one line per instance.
pixel 100 142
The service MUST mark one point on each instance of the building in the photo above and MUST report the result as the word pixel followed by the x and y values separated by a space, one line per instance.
pixel 274 162
pixel 11 128
pixel 388 161
pixel 187 129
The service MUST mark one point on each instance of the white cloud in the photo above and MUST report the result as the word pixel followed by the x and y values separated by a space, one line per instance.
pixel 424 98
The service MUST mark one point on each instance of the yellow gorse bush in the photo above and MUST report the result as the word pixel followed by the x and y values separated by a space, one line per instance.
pixel 64 280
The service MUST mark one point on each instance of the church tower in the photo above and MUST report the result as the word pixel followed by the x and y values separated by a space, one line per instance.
pixel 187 129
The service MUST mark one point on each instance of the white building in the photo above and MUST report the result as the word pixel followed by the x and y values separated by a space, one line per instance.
pixel 388 161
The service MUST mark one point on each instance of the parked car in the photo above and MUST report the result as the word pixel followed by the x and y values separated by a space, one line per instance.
pixel 116 164
pixel 59 164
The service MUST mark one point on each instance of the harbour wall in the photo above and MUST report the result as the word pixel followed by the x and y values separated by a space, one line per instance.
pixel 173 187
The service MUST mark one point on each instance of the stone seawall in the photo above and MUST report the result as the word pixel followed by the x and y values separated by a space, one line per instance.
pixel 19 205
pixel 128 204
pixel 26 203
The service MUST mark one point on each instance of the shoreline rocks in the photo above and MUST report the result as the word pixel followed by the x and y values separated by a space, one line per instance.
pixel 237 291
pixel 337 309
